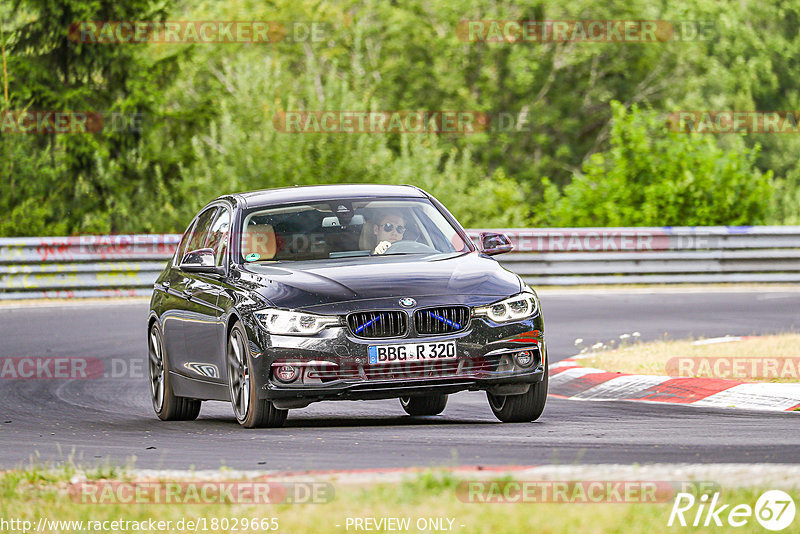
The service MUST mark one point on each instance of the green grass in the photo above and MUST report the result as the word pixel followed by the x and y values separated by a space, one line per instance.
pixel 34 492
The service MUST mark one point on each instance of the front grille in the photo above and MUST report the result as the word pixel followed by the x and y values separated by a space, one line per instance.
pixel 441 320
pixel 378 324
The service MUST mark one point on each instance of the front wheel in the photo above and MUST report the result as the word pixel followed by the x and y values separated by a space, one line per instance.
pixel 250 411
pixel 424 405
pixel 521 408
pixel 166 404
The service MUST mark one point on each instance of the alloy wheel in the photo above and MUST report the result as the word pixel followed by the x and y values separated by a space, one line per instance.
pixel 238 375
pixel 156 365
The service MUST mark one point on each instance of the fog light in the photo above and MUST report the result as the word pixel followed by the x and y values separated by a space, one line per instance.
pixel 506 364
pixel 524 358
pixel 286 373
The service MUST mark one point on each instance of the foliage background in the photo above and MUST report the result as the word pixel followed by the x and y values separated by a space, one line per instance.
pixel 594 150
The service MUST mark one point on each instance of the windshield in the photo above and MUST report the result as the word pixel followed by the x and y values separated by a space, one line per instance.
pixel 347 228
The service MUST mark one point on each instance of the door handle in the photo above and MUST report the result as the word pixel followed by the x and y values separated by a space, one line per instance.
pixel 190 290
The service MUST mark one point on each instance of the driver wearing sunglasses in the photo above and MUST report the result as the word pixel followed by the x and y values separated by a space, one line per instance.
pixel 389 229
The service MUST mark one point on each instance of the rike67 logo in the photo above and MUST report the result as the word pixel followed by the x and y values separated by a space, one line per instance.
pixel 774 510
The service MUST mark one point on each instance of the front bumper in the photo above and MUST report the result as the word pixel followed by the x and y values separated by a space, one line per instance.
pixel 334 365
pixel 299 397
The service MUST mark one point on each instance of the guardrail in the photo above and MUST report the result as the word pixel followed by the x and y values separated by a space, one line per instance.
pixel 127 265
pixel 711 254
pixel 83 266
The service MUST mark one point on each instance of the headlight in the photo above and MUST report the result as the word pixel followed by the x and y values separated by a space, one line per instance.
pixel 297 323
pixel 514 308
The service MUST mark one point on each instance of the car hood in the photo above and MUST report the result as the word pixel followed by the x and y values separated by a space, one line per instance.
pixel 325 283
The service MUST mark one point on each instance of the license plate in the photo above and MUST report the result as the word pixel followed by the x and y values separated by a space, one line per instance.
pixel 412 352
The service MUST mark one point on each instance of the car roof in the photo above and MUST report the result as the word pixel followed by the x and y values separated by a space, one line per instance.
pixel 325 192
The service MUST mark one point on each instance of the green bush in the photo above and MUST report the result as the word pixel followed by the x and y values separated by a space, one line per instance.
pixel 785 202
pixel 651 176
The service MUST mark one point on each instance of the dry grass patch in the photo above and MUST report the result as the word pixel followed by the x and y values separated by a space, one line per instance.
pixel 773 358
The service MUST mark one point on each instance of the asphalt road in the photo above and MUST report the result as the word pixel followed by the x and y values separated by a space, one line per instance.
pixel 111 419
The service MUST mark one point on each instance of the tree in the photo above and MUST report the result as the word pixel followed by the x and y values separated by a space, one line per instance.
pixel 51 72
pixel 651 176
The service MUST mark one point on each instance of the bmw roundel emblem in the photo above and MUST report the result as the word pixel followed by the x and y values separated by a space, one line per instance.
pixel 407 302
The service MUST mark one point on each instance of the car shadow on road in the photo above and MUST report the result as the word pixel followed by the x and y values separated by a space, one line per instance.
pixel 298 422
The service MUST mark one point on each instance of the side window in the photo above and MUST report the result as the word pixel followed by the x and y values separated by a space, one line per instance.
pixel 218 236
pixel 197 238
pixel 181 250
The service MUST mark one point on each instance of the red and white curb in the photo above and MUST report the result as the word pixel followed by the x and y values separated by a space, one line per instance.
pixel 569 379
pixel 728 475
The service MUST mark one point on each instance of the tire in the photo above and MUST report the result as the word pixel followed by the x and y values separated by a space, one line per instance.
pixel 424 405
pixel 250 411
pixel 521 408
pixel 166 404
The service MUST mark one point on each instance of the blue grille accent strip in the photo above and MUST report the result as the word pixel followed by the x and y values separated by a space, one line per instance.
pixel 441 319
pixel 368 324
pixel 444 320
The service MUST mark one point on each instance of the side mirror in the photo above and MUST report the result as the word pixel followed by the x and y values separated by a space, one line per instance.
pixel 200 261
pixel 492 243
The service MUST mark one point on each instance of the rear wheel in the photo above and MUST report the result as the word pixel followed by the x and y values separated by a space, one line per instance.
pixel 424 405
pixel 167 405
pixel 250 411
pixel 521 408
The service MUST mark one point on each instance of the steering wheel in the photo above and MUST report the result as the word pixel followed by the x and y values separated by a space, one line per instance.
pixel 409 247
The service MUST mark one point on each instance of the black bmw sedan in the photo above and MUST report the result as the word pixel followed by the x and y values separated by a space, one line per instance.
pixel 279 298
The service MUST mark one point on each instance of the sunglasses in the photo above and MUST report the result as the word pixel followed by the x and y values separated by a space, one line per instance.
pixel 388 227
